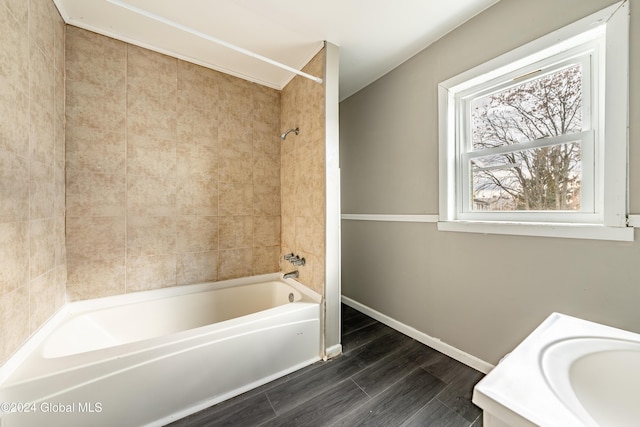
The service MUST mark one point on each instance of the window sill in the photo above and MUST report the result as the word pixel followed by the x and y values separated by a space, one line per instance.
pixel 567 231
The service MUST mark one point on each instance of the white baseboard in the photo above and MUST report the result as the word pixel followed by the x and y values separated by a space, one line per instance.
pixel 333 351
pixel 425 339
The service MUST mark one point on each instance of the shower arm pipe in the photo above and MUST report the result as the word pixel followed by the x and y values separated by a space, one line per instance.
pixel 216 40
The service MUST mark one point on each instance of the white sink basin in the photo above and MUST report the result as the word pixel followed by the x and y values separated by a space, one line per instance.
pixel 568 372
pixel 597 378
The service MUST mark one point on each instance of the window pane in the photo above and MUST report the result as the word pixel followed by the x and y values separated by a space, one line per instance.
pixel 549 105
pixel 545 178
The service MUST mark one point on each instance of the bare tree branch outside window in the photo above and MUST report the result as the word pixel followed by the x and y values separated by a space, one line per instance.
pixel 544 178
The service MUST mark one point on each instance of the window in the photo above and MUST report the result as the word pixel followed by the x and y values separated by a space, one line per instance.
pixel 534 142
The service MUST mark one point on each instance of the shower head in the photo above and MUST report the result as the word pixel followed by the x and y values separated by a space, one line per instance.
pixel 284 134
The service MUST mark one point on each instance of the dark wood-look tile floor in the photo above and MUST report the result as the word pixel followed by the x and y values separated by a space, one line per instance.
pixel 383 378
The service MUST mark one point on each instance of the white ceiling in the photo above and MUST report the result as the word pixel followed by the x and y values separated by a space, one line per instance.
pixel 374 36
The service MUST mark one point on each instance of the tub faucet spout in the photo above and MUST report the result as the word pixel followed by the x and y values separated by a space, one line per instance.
pixel 293 275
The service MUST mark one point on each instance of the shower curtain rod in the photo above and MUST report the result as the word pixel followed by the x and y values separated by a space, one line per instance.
pixel 216 40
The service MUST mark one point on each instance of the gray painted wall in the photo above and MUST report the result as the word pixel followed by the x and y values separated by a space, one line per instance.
pixel 479 293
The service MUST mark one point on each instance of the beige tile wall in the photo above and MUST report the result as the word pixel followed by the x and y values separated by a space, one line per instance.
pixel 32 189
pixel 173 171
pixel 303 175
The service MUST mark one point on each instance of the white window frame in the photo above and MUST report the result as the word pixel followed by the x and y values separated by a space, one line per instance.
pixel 587 56
pixel 603 37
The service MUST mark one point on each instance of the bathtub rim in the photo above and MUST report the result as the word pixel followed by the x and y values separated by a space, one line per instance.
pixel 78 307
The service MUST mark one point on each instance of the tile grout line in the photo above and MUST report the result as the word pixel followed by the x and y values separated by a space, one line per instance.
pixel 358 385
pixel 318 394
pixel 126 167
pixel 272 407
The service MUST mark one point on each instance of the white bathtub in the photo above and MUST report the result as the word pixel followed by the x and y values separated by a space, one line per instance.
pixel 152 357
pixel 568 373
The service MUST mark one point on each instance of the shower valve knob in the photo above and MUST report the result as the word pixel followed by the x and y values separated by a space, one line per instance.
pixel 295 259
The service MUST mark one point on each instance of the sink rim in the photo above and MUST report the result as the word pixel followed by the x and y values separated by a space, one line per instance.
pixel 557 357
pixel 516 390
